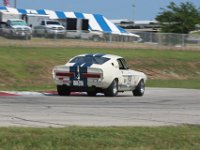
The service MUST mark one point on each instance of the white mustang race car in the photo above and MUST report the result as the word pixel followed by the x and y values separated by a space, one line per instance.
pixel 98 73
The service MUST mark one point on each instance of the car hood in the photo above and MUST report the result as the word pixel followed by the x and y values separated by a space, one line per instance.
pixel 21 27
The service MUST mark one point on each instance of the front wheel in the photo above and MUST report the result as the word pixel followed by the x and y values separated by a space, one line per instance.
pixel 27 37
pixel 46 35
pixel 112 90
pixel 139 90
pixel 63 90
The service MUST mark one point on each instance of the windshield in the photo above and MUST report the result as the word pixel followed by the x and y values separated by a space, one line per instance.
pixel 18 22
pixel 89 59
pixel 53 22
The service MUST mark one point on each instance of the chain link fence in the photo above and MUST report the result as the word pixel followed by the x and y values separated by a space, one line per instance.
pixel 160 39
pixel 170 39
pixel 57 33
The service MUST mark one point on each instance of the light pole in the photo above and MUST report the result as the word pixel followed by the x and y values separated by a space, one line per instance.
pixel 15 4
pixel 133 5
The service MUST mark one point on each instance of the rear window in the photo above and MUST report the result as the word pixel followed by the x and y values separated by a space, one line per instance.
pixel 89 60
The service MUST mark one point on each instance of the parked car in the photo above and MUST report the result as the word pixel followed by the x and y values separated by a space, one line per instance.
pixel 86 35
pixel 2 27
pixel 98 73
pixel 16 28
pixel 49 28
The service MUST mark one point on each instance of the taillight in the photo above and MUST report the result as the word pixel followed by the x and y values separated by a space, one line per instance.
pixel 67 74
pixel 91 75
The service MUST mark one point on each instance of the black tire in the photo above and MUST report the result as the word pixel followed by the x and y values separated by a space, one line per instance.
pixel 92 93
pixel 46 35
pixel 27 37
pixel 63 90
pixel 139 90
pixel 36 34
pixel 112 90
pixel 10 35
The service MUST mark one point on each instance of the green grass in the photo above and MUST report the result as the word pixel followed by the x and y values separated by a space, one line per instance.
pixel 101 138
pixel 187 84
pixel 29 68
pixel 24 68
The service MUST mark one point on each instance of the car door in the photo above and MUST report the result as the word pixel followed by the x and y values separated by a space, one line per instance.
pixel 126 75
pixel 7 29
pixel 41 28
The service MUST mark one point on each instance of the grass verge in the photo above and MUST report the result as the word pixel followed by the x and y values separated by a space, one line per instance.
pixel 187 84
pixel 29 68
pixel 90 138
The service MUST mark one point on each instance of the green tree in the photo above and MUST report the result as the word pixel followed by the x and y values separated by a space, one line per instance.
pixel 179 18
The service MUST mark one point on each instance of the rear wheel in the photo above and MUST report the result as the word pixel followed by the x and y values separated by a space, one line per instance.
pixel 63 90
pixel 46 35
pixel 139 90
pixel 112 90
pixel 27 37
pixel 92 93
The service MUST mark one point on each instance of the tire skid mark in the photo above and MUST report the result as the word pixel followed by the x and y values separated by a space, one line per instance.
pixel 31 93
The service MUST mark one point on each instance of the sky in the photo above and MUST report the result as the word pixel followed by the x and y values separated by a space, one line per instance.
pixel 112 9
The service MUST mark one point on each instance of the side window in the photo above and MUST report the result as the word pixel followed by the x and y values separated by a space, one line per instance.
pixel 120 64
pixel 42 23
pixel 9 22
pixel 124 63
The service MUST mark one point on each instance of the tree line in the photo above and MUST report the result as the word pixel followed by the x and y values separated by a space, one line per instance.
pixel 181 18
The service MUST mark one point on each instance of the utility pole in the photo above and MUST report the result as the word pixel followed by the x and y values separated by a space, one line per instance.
pixel 133 5
pixel 15 4
pixel 6 3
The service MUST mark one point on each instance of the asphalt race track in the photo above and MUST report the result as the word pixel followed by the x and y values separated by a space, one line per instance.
pixel 159 106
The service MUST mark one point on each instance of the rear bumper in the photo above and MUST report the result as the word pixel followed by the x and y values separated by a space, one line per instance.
pixel 85 89
pixel 56 32
pixel 92 85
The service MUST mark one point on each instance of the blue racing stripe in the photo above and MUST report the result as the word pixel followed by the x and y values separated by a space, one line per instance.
pixel 3 8
pixel 78 76
pixel 80 68
pixel 89 54
pixel 102 23
pixel 88 60
pixel 99 55
pixel 83 70
pixel 74 70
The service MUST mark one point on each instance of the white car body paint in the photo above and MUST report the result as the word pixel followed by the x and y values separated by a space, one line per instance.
pixel 109 71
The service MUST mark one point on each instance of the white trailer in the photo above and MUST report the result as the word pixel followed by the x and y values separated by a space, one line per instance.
pixel 34 19
pixel 5 16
